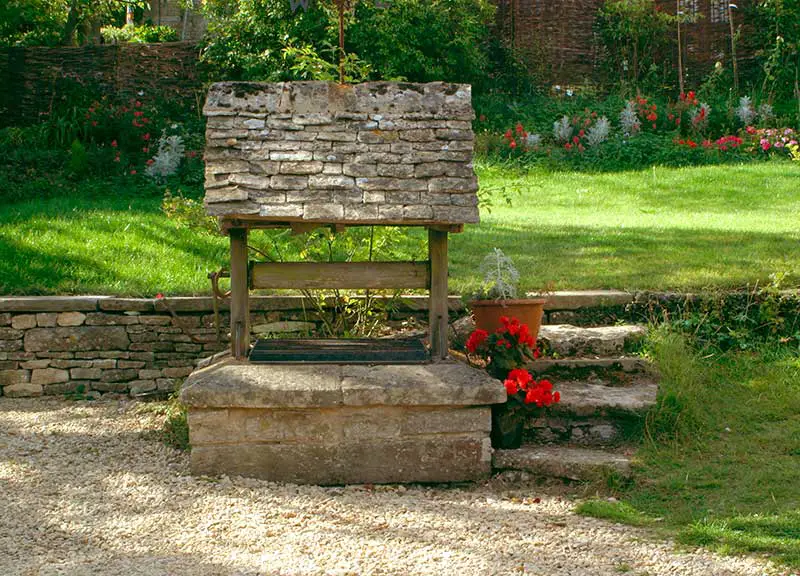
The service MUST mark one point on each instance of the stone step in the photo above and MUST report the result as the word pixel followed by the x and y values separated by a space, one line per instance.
pixel 599 406
pixel 580 464
pixel 565 340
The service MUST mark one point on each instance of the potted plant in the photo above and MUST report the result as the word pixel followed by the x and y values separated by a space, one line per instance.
pixel 498 297
pixel 504 354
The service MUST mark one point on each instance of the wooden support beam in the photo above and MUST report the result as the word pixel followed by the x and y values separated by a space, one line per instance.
pixel 240 293
pixel 438 312
pixel 340 275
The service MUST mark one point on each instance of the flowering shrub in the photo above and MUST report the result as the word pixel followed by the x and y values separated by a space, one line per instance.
pixel 505 353
pixel 629 120
pixel 771 139
pixel 521 386
pixel 745 111
pixel 520 140
pixel 510 347
pixel 699 117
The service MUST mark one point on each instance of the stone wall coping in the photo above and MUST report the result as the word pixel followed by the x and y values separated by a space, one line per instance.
pixel 23 304
pixel 562 300
pixel 233 384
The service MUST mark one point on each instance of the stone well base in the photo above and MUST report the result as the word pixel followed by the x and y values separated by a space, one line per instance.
pixel 330 424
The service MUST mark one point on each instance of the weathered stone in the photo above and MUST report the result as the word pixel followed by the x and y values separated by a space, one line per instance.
pixel 10 345
pixel 101 319
pixel 49 303
pixel 296 156
pixel 327 212
pixel 46 319
pixel 467 214
pixel 70 363
pixel 360 170
pixel 31 364
pixel 47 376
pixel 70 319
pixel 141 386
pixel 104 363
pixel 119 375
pixel 149 374
pixel 453 185
pixel 23 321
pixel 85 373
pixel 331 182
pixel 155 320
pixel 289 182
pixel 130 364
pixel 10 334
pixel 301 168
pixel 566 340
pixel 177 372
pixel 165 384
pixel 5 319
pixel 562 462
pixel 23 390
pixel 226 194
pixel 76 338
pixel 14 377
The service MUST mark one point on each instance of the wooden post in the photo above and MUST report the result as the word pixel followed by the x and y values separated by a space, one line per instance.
pixel 240 292
pixel 437 309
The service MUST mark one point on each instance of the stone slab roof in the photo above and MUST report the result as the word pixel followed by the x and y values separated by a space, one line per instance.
pixel 373 153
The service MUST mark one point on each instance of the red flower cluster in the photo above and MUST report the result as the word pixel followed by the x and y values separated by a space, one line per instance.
pixel 476 340
pixel 729 142
pixel 688 142
pixel 690 99
pixel 511 137
pixel 519 381
pixel 647 111
pixel 517 329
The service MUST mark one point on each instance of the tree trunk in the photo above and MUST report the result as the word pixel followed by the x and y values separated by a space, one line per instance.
pixel 73 17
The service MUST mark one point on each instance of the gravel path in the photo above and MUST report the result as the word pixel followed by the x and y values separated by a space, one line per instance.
pixel 88 489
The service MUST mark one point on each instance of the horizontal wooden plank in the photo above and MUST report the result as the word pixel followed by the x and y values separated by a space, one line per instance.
pixel 341 275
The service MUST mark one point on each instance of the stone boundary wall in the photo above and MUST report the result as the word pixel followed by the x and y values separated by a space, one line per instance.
pixel 59 344
pixel 51 345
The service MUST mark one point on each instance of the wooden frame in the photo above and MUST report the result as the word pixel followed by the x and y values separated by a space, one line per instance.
pixel 431 275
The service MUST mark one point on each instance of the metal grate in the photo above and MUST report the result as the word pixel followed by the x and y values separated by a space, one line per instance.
pixel 331 351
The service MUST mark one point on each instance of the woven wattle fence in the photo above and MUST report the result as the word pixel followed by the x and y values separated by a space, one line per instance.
pixel 36 79
pixel 560 41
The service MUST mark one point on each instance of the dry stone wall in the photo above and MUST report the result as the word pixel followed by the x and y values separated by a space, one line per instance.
pixel 98 345
pixel 369 153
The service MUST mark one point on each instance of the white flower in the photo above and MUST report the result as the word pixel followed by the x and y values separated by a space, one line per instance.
pixel 570 93
pixel 562 130
pixel 599 132
pixel 629 120
pixel 533 140
pixel 745 111
pixel 168 158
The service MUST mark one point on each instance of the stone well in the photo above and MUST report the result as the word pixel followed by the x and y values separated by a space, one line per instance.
pixel 302 155
pixel 342 424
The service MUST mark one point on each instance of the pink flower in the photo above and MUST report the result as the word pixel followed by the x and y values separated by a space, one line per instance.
pixel 113 143
pixel 764 144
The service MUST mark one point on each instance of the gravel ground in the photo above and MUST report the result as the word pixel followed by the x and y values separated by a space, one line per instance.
pixel 88 488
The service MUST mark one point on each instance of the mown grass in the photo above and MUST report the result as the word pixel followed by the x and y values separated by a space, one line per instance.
pixel 684 229
pixel 721 466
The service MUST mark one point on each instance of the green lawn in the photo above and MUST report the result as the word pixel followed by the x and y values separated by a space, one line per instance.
pixel 720 468
pixel 662 228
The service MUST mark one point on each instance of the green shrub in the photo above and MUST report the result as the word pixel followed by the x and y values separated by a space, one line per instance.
pixel 144 34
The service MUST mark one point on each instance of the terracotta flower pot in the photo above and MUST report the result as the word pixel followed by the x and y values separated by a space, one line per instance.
pixel 487 313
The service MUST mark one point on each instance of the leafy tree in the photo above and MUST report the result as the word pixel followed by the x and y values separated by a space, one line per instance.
pixel 53 22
